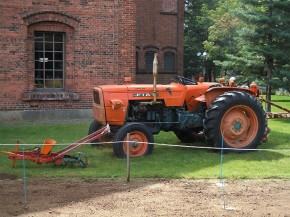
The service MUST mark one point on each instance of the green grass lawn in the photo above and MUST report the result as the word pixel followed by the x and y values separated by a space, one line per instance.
pixel 165 162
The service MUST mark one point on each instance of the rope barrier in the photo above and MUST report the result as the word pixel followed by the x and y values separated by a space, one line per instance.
pixel 161 144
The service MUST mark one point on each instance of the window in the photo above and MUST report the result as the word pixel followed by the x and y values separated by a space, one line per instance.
pixel 149 61
pixel 169 62
pixel 137 62
pixel 49 59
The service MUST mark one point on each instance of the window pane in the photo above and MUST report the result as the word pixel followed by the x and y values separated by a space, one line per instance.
pixel 137 61
pixel 58 47
pixel 38 65
pixel 49 65
pixel 58 37
pixel 58 84
pixel 39 84
pixel 149 61
pixel 58 74
pixel 49 46
pixel 169 62
pixel 49 84
pixel 49 55
pixel 39 46
pixel 39 56
pixel 58 56
pixel 38 75
pixel 48 37
pixel 58 65
pixel 38 36
pixel 49 74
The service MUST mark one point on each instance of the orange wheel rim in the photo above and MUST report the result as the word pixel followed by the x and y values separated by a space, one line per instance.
pixel 138 142
pixel 239 126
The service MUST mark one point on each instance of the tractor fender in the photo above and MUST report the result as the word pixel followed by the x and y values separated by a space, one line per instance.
pixel 211 94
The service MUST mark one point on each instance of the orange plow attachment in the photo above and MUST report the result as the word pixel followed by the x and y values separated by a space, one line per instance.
pixel 44 154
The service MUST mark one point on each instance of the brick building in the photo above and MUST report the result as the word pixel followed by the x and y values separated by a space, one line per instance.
pixel 54 51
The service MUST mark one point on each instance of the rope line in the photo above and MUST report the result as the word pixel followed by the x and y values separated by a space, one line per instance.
pixel 159 144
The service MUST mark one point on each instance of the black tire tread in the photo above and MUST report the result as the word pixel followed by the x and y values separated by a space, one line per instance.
pixel 121 136
pixel 211 122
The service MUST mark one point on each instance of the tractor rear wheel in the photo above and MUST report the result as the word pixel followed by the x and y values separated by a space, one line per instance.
pixel 95 126
pixel 140 138
pixel 235 120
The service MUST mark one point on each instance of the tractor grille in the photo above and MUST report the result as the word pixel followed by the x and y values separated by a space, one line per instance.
pixel 97 97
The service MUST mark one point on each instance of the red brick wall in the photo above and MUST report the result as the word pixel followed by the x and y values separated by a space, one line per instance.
pixel 100 49
pixel 159 29
pixel 101 41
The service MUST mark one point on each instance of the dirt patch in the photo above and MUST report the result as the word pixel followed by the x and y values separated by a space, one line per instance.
pixel 145 197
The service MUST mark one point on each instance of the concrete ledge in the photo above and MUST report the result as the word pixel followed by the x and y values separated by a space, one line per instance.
pixel 50 96
pixel 46 114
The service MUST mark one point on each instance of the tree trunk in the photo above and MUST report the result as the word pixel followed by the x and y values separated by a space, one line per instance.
pixel 268 97
pixel 270 60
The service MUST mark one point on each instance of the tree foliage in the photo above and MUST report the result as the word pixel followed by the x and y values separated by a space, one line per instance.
pixel 197 23
pixel 247 38
pixel 221 33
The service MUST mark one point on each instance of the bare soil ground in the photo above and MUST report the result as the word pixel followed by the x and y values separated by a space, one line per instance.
pixel 144 197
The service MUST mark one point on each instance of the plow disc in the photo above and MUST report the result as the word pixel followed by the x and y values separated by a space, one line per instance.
pixel 78 159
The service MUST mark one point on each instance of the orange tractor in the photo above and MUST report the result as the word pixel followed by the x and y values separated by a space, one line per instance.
pixel 231 116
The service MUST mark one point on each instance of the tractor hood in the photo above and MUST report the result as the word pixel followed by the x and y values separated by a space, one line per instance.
pixel 135 87
pixel 149 87
pixel 173 94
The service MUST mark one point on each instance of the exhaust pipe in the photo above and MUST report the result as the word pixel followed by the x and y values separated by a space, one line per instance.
pixel 155 73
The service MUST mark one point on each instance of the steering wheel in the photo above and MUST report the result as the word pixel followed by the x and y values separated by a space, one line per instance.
pixel 185 81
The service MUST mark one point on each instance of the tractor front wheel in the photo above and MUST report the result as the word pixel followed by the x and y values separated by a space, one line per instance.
pixel 95 126
pixel 140 140
pixel 235 120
